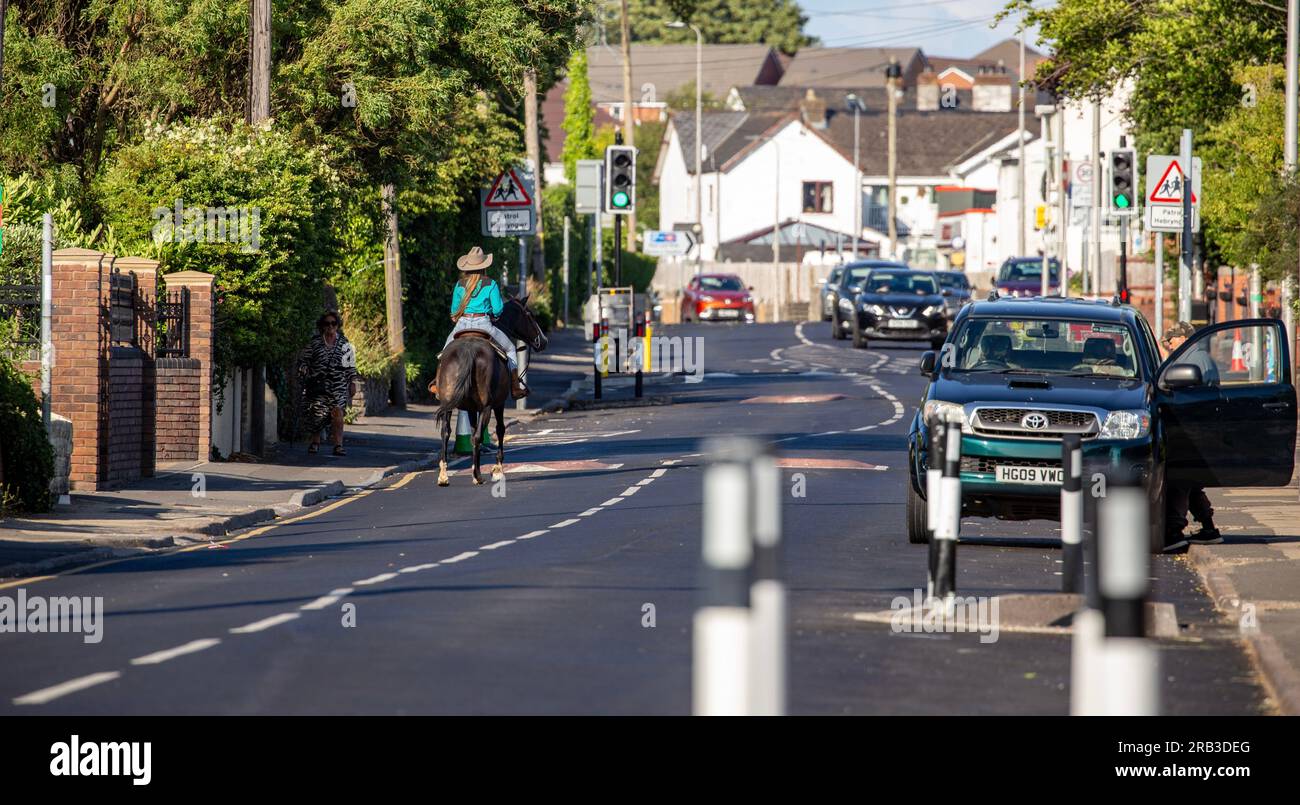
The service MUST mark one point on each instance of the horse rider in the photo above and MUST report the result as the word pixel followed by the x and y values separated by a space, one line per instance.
pixel 475 303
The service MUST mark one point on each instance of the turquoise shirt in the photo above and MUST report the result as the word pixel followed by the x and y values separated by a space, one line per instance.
pixel 487 299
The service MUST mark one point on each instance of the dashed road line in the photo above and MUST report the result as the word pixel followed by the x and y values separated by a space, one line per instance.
pixel 332 598
pixel 64 688
pixel 265 623
pixel 564 523
pixel 179 651
pixel 503 543
pixel 460 557
pixel 374 579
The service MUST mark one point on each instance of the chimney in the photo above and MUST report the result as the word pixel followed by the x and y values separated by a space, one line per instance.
pixel 813 109
pixel 992 89
pixel 927 91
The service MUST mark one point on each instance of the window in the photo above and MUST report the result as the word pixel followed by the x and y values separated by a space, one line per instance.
pixel 1046 346
pixel 817 196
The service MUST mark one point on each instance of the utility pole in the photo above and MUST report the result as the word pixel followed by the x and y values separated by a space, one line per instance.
pixel 629 126
pixel 892 74
pixel 1185 264
pixel 1292 121
pixel 857 174
pixel 1049 163
pixel 1020 172
pixel 393 295
pixel 532 146
pixel 257 112
pixel 1062 225
pixel 1096 198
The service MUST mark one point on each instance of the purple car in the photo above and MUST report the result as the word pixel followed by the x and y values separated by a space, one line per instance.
pixel 1023 276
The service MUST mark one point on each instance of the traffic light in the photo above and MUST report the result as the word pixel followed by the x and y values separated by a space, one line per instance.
pixel 620 179
pixel 1123 183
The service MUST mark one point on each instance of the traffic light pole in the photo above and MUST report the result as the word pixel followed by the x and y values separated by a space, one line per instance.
pixel 1122 287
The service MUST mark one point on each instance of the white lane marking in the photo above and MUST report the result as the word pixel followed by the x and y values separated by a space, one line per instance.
pixel 864 427
pixel 563 523
pixel 460 557
pixel 503 543
pixel 63 689
pixel 590 512
pixel 659 473
pixel 265 623
pixel 611 501
pixel 829 433
pixel 532 534
pixel 630 491
pixel 418 568
pixel 645 482
pixel 375 579
pixel 668 462
pixel 179 651
pixel 327 600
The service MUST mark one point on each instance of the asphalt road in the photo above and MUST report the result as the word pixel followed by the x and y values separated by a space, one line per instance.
pixel 466 602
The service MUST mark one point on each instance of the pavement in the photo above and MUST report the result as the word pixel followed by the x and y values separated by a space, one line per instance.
pixel 570 586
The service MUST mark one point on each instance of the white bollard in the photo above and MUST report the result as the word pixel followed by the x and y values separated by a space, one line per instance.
pixel 767 594
pixel 948 525
pixel 933 474
pixel 1072 515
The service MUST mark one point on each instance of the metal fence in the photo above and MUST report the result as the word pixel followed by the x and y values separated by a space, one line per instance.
pixel 122 298
pixel 20 320
pixel 172 323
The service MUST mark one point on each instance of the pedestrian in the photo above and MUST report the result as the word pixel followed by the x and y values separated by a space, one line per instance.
pixel 475 303
pixel 330 369
pixel 1181 500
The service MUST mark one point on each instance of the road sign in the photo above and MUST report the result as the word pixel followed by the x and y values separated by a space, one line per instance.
pixel 1081 191
pixel 509 191
pixel 659 242
pixel 1166 181
pixel 586 193
pixel 509 222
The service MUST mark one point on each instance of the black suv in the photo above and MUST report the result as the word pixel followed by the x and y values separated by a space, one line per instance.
pixel 1021 374
pixel 898 304
pixel 840 297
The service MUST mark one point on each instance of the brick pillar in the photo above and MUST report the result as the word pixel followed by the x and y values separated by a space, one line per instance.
pixel 202 329
pixel 146 277
pixel 79 377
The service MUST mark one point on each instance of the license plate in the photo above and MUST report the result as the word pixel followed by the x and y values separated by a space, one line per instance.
pixel 903 324
pixel 726 313
pixel 1029 475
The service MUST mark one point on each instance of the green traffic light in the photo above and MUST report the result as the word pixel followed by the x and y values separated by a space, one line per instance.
pixel 620 199
pixel 1122 202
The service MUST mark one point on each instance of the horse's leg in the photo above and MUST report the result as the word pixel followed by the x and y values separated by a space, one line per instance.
pixel 446 437
pixel 499 470
pixel 478 454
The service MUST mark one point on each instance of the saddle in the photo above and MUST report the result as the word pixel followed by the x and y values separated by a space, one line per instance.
pixel 486 336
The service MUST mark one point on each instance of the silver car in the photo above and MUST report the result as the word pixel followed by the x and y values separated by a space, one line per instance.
pixel 828 292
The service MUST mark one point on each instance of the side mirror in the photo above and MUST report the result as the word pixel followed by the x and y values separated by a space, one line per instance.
pixel 1181 376
pixel 927 362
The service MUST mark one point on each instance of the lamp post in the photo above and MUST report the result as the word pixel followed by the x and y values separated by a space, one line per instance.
pixel 856 103
pixel 892 75
pixel 699 145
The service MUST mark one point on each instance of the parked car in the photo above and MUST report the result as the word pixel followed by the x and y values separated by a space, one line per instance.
pixel 898 304
pixel 827 292
pixel 1018 375
pixel 717 297
pixel 849 286
pixel 956 290
pixel 1023 276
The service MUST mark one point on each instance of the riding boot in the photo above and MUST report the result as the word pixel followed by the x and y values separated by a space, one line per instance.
pixel 518 389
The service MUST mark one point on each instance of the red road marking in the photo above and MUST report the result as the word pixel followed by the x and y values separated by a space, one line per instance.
pixel 826 464
pixel 787 399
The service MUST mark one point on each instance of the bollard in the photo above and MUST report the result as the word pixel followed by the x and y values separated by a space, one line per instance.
pixel 948 524
pixel 597 352
pixel 464 435
pixel 933 474
pixel 639 332
pixel 1129 664
pixel 767 593
pixel 1088 627
pixel 720 652
pixel 1072 514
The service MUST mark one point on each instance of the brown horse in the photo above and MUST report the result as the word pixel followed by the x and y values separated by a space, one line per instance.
pixel 473 377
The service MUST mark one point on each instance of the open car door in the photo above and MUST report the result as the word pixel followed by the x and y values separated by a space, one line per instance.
pixel 1237 426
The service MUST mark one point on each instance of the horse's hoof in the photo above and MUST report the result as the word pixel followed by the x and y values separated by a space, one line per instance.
pixel 478 481
pixel 497 473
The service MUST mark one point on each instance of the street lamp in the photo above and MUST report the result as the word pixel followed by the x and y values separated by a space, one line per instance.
pixel 893 77
pixel 699 109
pixel 855 103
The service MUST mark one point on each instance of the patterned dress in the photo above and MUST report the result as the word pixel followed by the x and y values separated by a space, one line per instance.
pixel 330 371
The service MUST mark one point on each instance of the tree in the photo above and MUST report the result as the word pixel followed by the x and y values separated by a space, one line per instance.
pixel 778 23
pixel 579 119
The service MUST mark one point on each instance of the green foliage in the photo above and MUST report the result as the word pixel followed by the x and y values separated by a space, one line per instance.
pixel 682 99
pixel 269 296
pixel 26 458
pixel 1271 236
pixel 579 118
pixel 778 23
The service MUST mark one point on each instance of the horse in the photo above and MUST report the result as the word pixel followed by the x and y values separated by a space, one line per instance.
pixel 472 377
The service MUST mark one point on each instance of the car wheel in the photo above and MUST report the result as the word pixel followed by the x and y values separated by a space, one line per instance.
pixel 916 533
pixel 859 340
pixel 825 316
pixel 1157 533
pixel 836 331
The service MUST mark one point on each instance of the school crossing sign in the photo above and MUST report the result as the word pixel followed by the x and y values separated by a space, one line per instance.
pixel 507 205
pixel 1166 183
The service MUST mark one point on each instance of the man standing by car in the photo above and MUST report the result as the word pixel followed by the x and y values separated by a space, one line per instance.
pixel 1180 500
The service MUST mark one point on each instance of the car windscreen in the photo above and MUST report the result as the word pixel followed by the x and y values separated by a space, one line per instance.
pixel 1025 270
pixel 897 282
pixel 950 279
pixel 1044 346
pixel 721 284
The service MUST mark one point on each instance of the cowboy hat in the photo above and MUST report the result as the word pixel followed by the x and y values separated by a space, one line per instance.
pixel 474 260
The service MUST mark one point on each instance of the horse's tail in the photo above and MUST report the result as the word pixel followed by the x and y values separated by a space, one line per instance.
pixel 451 398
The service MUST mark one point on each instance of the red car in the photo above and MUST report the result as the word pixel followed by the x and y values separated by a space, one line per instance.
pixel 717 297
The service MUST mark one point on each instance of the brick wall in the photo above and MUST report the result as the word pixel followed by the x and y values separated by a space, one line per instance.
pixel 179 398
pixel 126 415
pixel 81 358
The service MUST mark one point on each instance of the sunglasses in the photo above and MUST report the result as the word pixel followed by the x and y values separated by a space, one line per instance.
pixel 331 324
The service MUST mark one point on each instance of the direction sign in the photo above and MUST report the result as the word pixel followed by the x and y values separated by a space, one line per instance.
pixel 1166 181
pixel 672 242
pixel 508 191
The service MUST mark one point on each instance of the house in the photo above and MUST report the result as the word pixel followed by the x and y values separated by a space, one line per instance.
pixel 851 68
